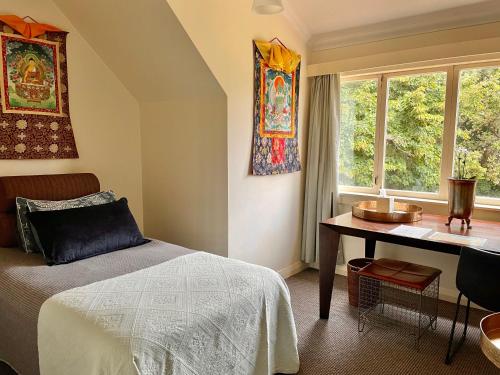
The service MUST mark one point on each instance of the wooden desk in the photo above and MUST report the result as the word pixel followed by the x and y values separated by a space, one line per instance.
pixel 331 229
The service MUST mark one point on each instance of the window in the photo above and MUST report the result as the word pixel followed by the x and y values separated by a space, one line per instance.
pixel 357 132
pixel 414 132
pixel 400 130
pixel 478 128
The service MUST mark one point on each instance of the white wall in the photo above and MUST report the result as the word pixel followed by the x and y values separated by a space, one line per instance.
pixel 157 63
pixel 183 116
pixel 265 213
pixel 185 172
pixel 161 68
pixel 105 117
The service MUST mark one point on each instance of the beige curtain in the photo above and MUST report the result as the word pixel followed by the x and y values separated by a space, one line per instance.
pixel 321 188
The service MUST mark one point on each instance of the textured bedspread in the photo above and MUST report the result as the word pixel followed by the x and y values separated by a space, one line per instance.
pixel 197 314
pixel 26 283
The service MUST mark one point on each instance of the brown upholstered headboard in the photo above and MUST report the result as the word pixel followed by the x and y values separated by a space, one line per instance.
pixel 46 187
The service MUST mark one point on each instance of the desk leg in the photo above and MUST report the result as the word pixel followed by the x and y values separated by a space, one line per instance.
pixel 370 248
pixel 328 249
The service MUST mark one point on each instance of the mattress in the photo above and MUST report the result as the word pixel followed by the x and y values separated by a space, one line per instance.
pixel 26 282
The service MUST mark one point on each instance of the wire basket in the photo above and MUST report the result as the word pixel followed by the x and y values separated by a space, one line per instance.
pixel 353 267
pixel 384 303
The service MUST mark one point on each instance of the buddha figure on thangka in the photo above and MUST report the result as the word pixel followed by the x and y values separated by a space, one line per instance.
pixel 33 87
pixel 31 79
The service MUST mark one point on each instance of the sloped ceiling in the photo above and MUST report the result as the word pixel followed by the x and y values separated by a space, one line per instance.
pixel 144 45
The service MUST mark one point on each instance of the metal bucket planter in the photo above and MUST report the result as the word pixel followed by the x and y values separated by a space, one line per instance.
pixel 461 197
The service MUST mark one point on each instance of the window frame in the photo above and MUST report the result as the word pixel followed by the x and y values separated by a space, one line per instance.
pixel 365 189
pixel 449 130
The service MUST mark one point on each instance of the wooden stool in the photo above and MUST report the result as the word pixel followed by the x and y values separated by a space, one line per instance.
pixel 401 294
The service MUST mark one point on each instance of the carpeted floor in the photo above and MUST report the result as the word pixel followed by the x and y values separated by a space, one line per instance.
pixel 336 347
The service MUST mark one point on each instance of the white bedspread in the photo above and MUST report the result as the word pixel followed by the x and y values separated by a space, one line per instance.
pixel 197 314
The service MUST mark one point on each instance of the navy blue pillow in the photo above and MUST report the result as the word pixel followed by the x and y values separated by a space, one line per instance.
pixel 78 233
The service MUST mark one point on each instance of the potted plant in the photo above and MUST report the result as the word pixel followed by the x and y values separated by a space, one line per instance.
pixel 461 190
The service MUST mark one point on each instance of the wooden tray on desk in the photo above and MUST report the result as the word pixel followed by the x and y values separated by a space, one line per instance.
pixel 403 212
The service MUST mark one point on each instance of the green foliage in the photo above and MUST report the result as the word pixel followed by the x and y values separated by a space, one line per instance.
pixel 357 132
pixel 415 119
pixel 479 127
pixel 415 122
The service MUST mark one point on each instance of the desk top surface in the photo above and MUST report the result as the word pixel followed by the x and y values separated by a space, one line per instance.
pixel 488 230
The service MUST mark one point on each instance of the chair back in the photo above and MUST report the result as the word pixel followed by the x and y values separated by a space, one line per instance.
pixel 478 277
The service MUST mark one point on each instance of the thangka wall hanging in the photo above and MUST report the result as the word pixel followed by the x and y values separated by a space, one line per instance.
pixel 34 108
pixel 276 103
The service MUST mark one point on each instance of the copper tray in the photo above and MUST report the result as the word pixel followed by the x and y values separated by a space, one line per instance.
pixel 403 212
pixel 490 338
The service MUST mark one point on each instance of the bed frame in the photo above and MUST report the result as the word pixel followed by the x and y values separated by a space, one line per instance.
pixel 44 187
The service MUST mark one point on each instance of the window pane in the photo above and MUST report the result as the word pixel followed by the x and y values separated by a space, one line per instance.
pixel 478 127
pixel 358 113
pixel 415 122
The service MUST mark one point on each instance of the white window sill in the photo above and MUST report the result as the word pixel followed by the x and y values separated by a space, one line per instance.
pixel 433 206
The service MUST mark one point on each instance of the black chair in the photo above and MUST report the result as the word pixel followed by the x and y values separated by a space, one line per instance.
pixel 478 279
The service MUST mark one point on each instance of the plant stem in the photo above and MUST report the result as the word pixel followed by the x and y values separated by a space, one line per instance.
pixel 465 165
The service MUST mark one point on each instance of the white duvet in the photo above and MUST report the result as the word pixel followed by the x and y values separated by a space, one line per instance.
pixel 196 314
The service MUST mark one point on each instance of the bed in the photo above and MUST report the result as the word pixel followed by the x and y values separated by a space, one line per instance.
pixel 153 309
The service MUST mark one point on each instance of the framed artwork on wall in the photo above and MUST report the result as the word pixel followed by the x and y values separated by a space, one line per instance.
pixel 277 103
pixel 34 101
pixel 276 77
pixel 30 76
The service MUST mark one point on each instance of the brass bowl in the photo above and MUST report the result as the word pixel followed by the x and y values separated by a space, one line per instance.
pixel 490 338
pixel 403 212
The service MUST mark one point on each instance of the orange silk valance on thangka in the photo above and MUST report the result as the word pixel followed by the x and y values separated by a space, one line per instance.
pixel 276 77
pixel 34 102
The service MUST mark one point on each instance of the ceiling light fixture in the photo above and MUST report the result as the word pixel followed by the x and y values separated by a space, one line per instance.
pixel 267 6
